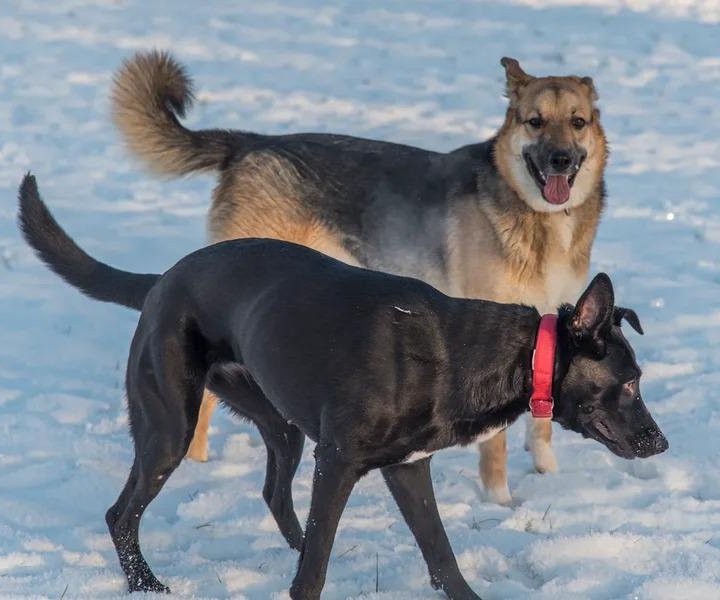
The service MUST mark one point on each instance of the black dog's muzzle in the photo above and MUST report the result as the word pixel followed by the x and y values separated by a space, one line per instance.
pixel 648 442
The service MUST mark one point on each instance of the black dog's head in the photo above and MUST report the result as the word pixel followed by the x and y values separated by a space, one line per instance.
pixel 597 383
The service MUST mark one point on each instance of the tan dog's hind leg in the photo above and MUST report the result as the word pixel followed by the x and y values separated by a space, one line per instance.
pixel 198 449
pixel 259 198
pixel 538 438
pixel 493 468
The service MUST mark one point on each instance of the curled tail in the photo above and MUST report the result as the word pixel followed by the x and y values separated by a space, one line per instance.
pixel 151 90
pixel 60 252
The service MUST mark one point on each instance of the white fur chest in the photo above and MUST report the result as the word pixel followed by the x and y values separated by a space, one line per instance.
pixel 563 229
pixel 482 437
pixel 559 282
pixel 562 284
pixel 488 434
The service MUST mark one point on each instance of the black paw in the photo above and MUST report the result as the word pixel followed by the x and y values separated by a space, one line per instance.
pixel 298 593
pixel 455 590
pixel 148 584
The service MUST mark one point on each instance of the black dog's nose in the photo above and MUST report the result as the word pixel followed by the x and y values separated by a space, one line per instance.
pixel 661 443
pixel 560 160
pixel 649 442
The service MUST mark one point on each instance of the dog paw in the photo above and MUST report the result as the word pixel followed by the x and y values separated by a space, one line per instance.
pixel 544 459
pixel 145 581
pixel 500 495
pixel 151 587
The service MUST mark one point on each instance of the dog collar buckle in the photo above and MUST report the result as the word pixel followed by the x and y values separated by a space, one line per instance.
pixel 543 366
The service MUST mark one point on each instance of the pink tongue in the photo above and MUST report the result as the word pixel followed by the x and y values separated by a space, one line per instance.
pixel 557 189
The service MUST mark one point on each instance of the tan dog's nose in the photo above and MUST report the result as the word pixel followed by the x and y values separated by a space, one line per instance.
pixel 560 160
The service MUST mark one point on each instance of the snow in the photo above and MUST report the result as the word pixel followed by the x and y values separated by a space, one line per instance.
pixel 423 73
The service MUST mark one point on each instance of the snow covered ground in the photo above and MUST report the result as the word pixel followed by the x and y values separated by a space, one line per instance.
pixel 424 73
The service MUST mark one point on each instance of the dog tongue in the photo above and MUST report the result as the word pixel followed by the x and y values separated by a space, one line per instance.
pixel 557 189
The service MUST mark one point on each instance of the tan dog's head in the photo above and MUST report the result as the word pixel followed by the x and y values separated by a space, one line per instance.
pixel 551 148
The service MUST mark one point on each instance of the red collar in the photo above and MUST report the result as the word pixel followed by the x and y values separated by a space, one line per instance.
pixel 543 365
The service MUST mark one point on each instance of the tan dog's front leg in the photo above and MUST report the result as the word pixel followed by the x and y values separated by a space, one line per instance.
pixel 493 468
pixel 538 439
pixel 198 449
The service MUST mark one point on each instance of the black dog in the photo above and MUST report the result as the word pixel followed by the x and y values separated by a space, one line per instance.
pixel 374 368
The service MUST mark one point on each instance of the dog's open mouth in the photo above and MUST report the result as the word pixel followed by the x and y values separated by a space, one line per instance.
pixel 555 188
pixel 600 432
pixel 647 442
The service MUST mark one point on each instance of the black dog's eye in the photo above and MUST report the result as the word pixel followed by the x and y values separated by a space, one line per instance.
pixel 631 387
pixel 578 123
pixel 588 408
pixel 535 122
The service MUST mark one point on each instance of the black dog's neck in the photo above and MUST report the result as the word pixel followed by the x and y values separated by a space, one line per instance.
pixel 491 357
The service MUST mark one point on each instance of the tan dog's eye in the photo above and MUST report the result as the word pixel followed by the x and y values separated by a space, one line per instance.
pixel 578 123
pixel 535 122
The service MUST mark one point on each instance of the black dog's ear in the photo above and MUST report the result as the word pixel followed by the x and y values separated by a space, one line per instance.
pixel 516 78
pixel 594 310
pixel 630 316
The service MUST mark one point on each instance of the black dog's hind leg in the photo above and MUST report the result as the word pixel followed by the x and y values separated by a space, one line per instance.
pixel 285 446
pixel 283 442
pixel 163 399
pixel 270 475
pixel 332 483
pixel 114 512
pixel 411 486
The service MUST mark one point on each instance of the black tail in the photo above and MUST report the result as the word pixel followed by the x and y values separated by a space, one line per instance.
pixel 60 252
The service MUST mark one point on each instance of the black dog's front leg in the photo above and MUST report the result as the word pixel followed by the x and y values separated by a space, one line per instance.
pixel 333 481
pixel 411 486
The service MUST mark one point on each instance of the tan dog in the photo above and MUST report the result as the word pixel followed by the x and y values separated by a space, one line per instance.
pixel 510 219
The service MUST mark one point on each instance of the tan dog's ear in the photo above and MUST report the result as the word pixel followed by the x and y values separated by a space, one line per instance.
pixel 516 78
pixel 588 82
